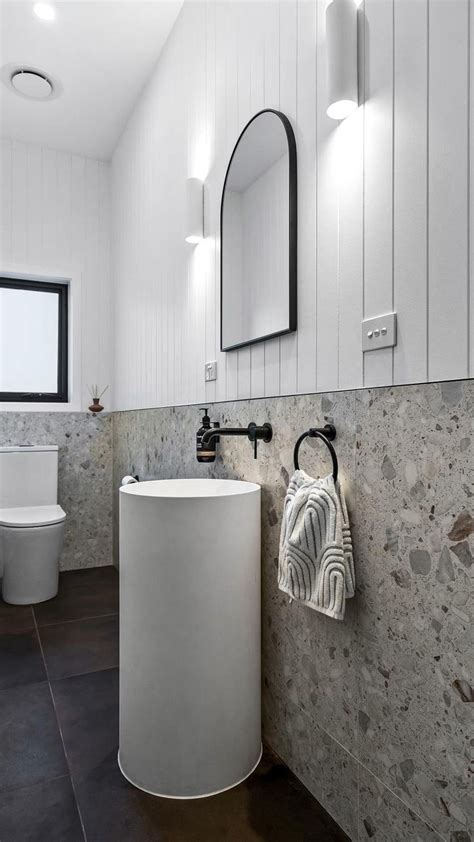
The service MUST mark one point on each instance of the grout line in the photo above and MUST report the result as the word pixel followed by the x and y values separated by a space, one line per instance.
pixel 217 403
pixel 77 620
pixel 60 731
pixel 363 766
pixel 32 786
pixel 407 806
pixel 88 672
pixel 79 674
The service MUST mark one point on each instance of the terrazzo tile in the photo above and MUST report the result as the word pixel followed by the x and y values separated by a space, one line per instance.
pixel 385 818
pixel 84 476
pixel 393 683
pixel 329 772
pixel 415 597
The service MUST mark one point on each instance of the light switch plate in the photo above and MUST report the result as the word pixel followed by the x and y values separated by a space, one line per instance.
pixel 210 371
pixel 379 332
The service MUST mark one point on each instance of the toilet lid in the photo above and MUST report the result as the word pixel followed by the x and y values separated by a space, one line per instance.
pixel 32 516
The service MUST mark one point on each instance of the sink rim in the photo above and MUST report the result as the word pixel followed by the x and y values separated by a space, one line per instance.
pixel 206 488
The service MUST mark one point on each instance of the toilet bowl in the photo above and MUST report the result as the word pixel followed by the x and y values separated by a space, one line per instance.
pixel 31 524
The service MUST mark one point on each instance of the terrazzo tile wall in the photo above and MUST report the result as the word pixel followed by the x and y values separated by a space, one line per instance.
pixel 375 714
pixel 84 476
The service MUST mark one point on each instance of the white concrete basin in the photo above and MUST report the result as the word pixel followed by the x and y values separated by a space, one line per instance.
pixel 189 635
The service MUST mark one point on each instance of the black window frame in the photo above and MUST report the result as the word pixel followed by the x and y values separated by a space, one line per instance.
pixel 62 291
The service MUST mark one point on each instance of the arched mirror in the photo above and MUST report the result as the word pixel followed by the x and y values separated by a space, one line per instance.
pixel 258 234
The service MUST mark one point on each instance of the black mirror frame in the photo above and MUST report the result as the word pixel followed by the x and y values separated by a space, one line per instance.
pixel 293 210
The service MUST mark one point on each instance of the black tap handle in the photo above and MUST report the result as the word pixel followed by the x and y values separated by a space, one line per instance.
pixel 255 445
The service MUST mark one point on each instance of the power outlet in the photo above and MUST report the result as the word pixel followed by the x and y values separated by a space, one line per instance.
pixel 210 371
pixel 379 332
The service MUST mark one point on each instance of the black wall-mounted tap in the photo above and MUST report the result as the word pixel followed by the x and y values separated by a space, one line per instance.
pixel 253 433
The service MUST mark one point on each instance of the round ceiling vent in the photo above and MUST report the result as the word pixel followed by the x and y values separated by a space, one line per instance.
pixel 31 84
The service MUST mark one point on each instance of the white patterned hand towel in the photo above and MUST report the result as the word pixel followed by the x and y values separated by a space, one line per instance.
pixel 316 566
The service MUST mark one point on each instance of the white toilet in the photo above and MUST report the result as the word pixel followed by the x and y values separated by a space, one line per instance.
pixel 31 523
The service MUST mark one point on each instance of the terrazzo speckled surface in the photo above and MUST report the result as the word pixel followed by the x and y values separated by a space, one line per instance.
pixel 84 476
pixel 375 714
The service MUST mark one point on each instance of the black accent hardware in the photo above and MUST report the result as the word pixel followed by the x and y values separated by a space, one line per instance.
pixel 253 432
pixel 61 290
pixel 292 233
pixel 327 434
pixel 205 452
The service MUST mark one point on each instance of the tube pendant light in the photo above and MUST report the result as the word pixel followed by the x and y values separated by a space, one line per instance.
pixel 194 210
pixel 341 43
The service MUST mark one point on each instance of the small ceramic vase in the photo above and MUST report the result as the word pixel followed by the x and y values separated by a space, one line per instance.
pixel 95 405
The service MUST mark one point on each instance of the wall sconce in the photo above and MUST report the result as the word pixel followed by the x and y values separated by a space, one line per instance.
pixel 194 210
pixel 341 41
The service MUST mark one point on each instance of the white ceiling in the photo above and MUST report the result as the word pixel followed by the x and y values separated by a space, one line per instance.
pixel 100 52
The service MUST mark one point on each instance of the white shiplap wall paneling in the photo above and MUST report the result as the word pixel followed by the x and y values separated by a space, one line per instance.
pixel 410 210
pixel 220 165
pixel 383 200
pixel 212 187
pixel 6 199
pixel 231 69
pixel 448 69
pixel 272 100
pixel 245 36
pixel 34 210
pixel 54 214
pixel 305 131
pixel 288 104
pixel 378 178
pixel 327 295
pixel 257 102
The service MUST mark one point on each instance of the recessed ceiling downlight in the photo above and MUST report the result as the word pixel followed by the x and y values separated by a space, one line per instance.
pixel 32 84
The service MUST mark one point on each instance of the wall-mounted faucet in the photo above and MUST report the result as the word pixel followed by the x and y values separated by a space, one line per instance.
pixel 253 433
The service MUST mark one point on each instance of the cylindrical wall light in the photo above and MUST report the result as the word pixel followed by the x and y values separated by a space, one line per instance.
pixel 341 43
pixel 194 210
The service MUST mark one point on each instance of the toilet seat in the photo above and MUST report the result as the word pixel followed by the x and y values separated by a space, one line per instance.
pixel 28 516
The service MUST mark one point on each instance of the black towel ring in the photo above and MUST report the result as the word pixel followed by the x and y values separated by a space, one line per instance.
pixel 326 434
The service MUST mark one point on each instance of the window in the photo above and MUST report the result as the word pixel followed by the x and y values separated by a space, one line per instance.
pixel 33 341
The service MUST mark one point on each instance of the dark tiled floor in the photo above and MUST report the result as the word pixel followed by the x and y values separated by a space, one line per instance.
pixel 59 779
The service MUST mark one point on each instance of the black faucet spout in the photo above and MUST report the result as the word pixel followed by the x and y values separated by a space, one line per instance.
pixel 253 432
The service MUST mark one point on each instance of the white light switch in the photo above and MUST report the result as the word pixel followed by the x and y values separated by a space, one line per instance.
pixel 379 332
pixel 210 371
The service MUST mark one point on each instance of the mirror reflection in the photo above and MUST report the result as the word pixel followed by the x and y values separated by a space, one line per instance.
pixel 258 234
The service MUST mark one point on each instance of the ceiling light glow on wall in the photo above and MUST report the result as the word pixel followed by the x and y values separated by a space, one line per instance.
pixel 341 44
pixel 44 11
pixel 194 210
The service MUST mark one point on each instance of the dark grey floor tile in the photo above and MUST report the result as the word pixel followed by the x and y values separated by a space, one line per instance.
pixel 87 709
pixel 82 594
pixel 31 747
pixel 21 661
pixel 15 618
pixel 272 806
pixel 80 647
pixel 46 812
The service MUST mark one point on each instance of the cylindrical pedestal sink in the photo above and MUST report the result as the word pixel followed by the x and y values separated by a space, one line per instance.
pixel 189 635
